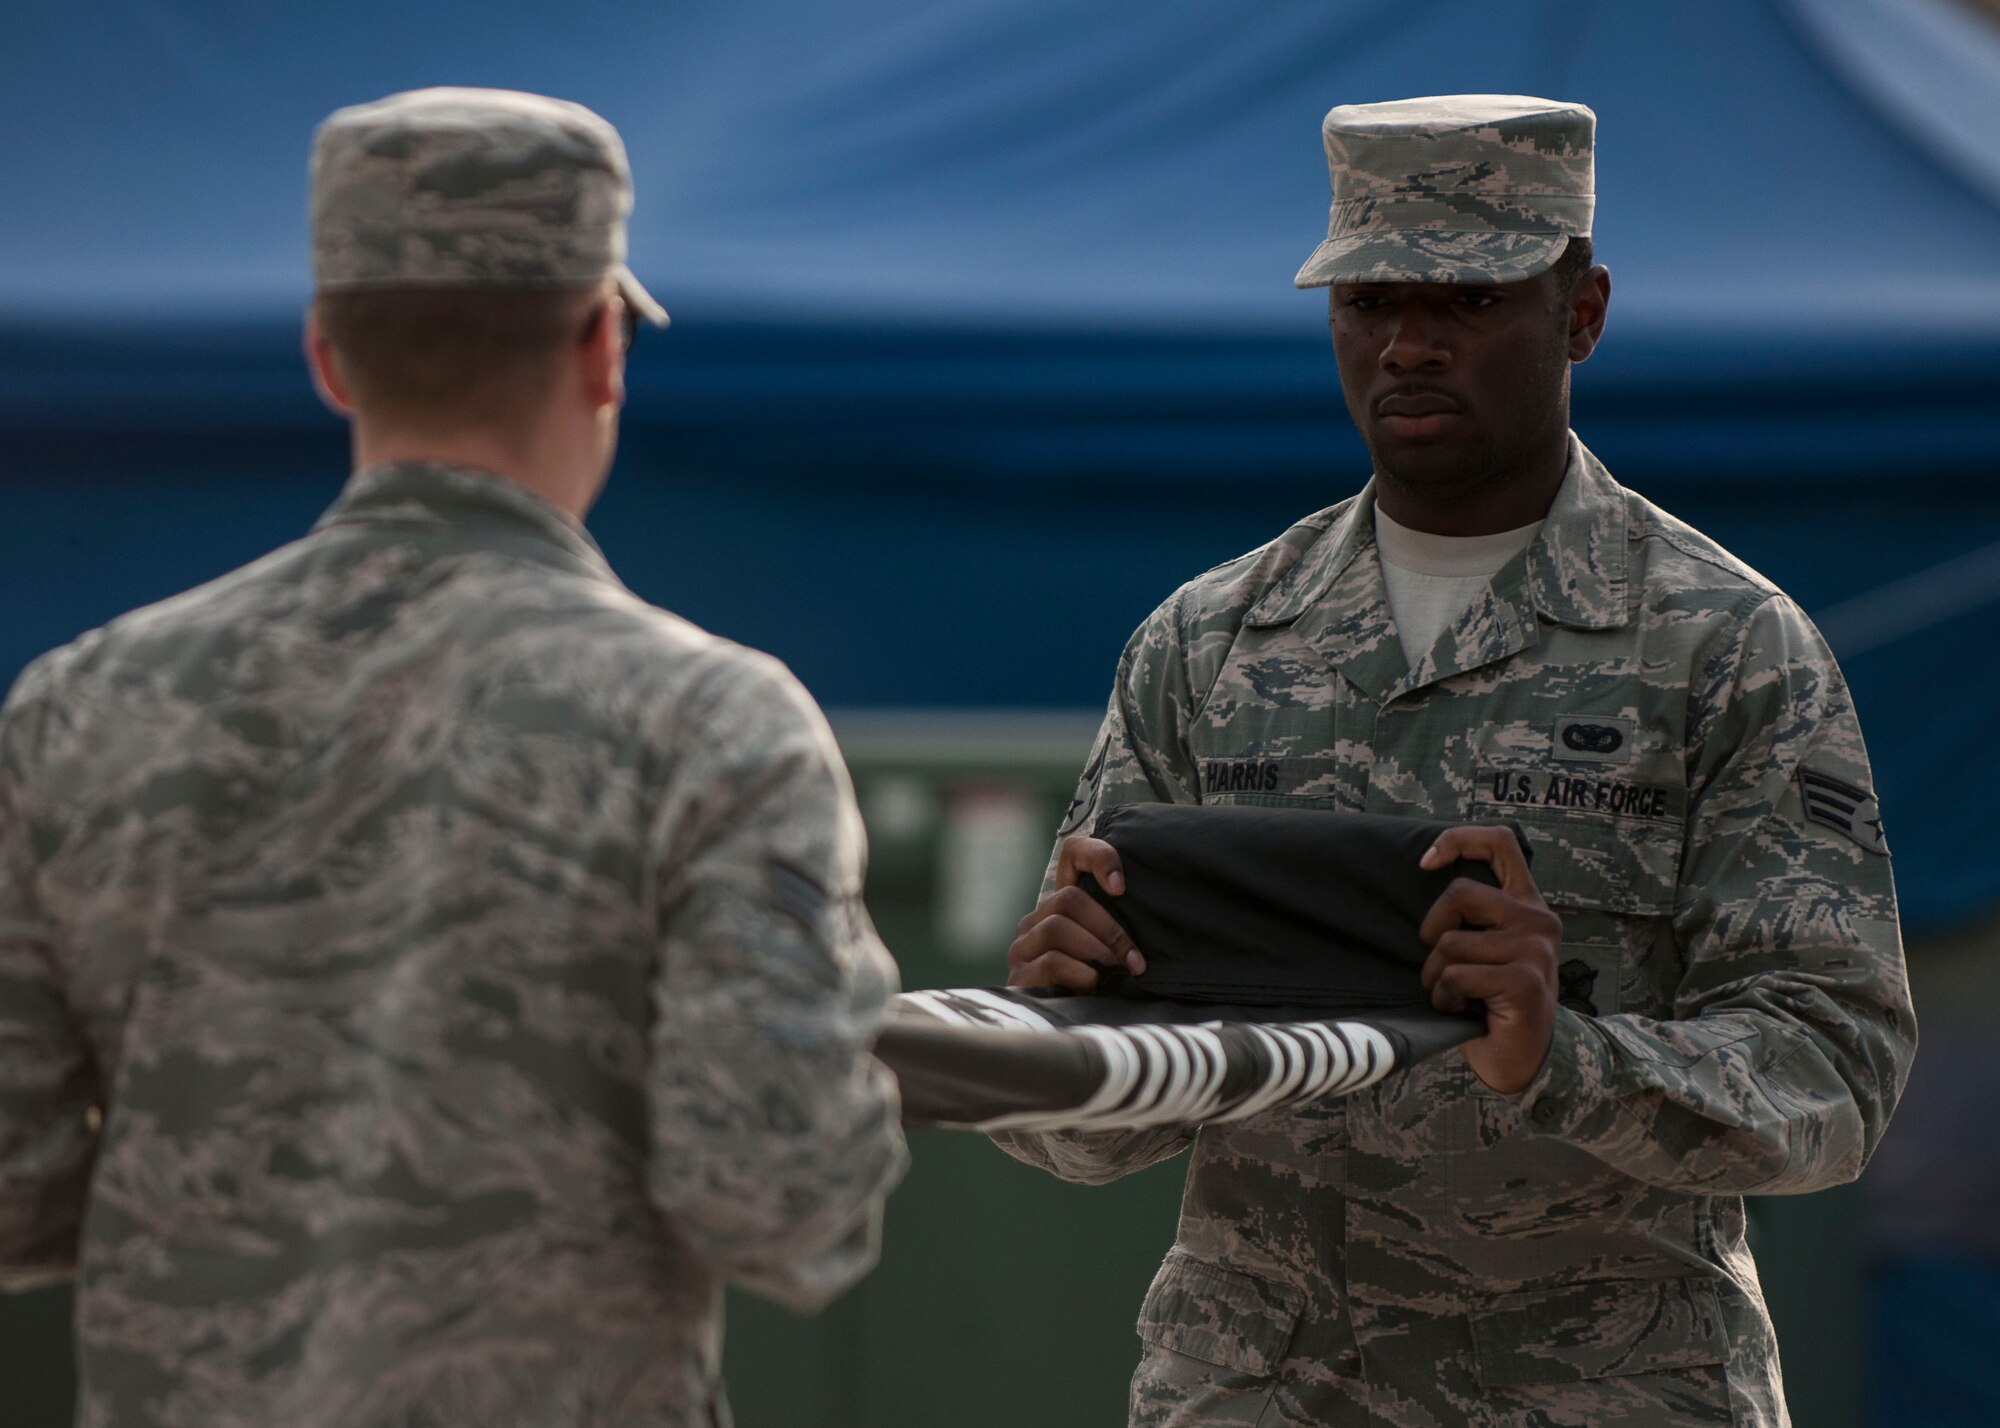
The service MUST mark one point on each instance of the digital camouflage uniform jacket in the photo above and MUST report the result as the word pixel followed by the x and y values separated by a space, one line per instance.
pixel 465 964
pixel 1676 740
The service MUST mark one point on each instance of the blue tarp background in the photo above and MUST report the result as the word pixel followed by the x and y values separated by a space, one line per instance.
pixel 984 335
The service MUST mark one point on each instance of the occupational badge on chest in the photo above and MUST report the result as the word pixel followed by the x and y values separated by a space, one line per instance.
pixel 1593 739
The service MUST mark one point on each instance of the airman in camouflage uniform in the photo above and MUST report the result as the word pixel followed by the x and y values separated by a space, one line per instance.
pixel 427 970
pixel 1729 1014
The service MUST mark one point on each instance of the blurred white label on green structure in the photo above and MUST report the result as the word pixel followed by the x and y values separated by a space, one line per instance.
pixel 898 808
pixel 993 847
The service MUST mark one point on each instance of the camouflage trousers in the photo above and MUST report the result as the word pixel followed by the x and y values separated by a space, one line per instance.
pixel 1173 1389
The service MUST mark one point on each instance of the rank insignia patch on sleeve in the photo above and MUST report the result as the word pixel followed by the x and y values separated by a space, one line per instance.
pixel 1087 788
pixel 1841 806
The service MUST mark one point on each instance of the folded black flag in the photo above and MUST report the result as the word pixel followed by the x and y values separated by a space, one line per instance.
pixel 1283 966
pixel 1276 906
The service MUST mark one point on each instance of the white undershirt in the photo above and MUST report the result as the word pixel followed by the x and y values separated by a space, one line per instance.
pixel 1432 578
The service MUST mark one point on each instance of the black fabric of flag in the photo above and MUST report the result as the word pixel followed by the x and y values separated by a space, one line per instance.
pixel 1276 906
pixel 1283 966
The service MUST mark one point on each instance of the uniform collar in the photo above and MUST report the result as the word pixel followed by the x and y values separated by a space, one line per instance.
pixel 487 508
pixel 1577 565
pixel 1573 574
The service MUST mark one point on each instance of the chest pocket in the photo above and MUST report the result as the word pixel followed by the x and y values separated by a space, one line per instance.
pixel 1612 880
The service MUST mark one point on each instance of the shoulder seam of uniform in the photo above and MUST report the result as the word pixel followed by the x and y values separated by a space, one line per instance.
pixel 1718 560
pixel 1730 638
pixel 1319 523
pixel 1728 565
pixel 1320 520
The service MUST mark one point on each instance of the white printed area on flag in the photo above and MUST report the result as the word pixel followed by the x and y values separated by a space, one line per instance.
pixel 1002 1059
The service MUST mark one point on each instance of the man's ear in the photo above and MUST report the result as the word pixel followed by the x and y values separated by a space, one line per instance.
pixel 1589 302
pixel 604 356
pixel 325 371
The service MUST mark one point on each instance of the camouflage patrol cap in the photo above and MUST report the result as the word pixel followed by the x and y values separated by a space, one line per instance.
pixel 442 187
pixel 1459 188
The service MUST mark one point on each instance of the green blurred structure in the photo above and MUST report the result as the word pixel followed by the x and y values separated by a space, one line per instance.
pixel 1004 1296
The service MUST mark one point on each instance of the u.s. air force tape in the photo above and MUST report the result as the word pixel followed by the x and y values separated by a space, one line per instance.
pixel 991 1059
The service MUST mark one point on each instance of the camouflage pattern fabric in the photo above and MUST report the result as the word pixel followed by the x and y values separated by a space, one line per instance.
pixel 442 187
pixel 1462 188
pixel 465 965
pixel 1735 1015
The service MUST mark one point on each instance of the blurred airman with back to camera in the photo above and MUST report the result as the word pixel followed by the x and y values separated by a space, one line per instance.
pixel 426 969
pixel 1698 991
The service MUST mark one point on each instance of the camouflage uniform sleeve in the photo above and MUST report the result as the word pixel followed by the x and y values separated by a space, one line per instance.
pixel 1793 1031
pixel 775 1134
pixel 1141 756
pixel 49 1089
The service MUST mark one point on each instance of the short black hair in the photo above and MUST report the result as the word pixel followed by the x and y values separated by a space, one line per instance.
pixel 1574 262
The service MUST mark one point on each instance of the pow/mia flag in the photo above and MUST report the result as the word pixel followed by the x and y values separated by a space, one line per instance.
pixel 1283 966
pixel 1841 806
pixel 991 1059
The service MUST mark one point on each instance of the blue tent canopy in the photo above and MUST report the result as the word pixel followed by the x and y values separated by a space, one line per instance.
pixel 1028 161
pixel 984 333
